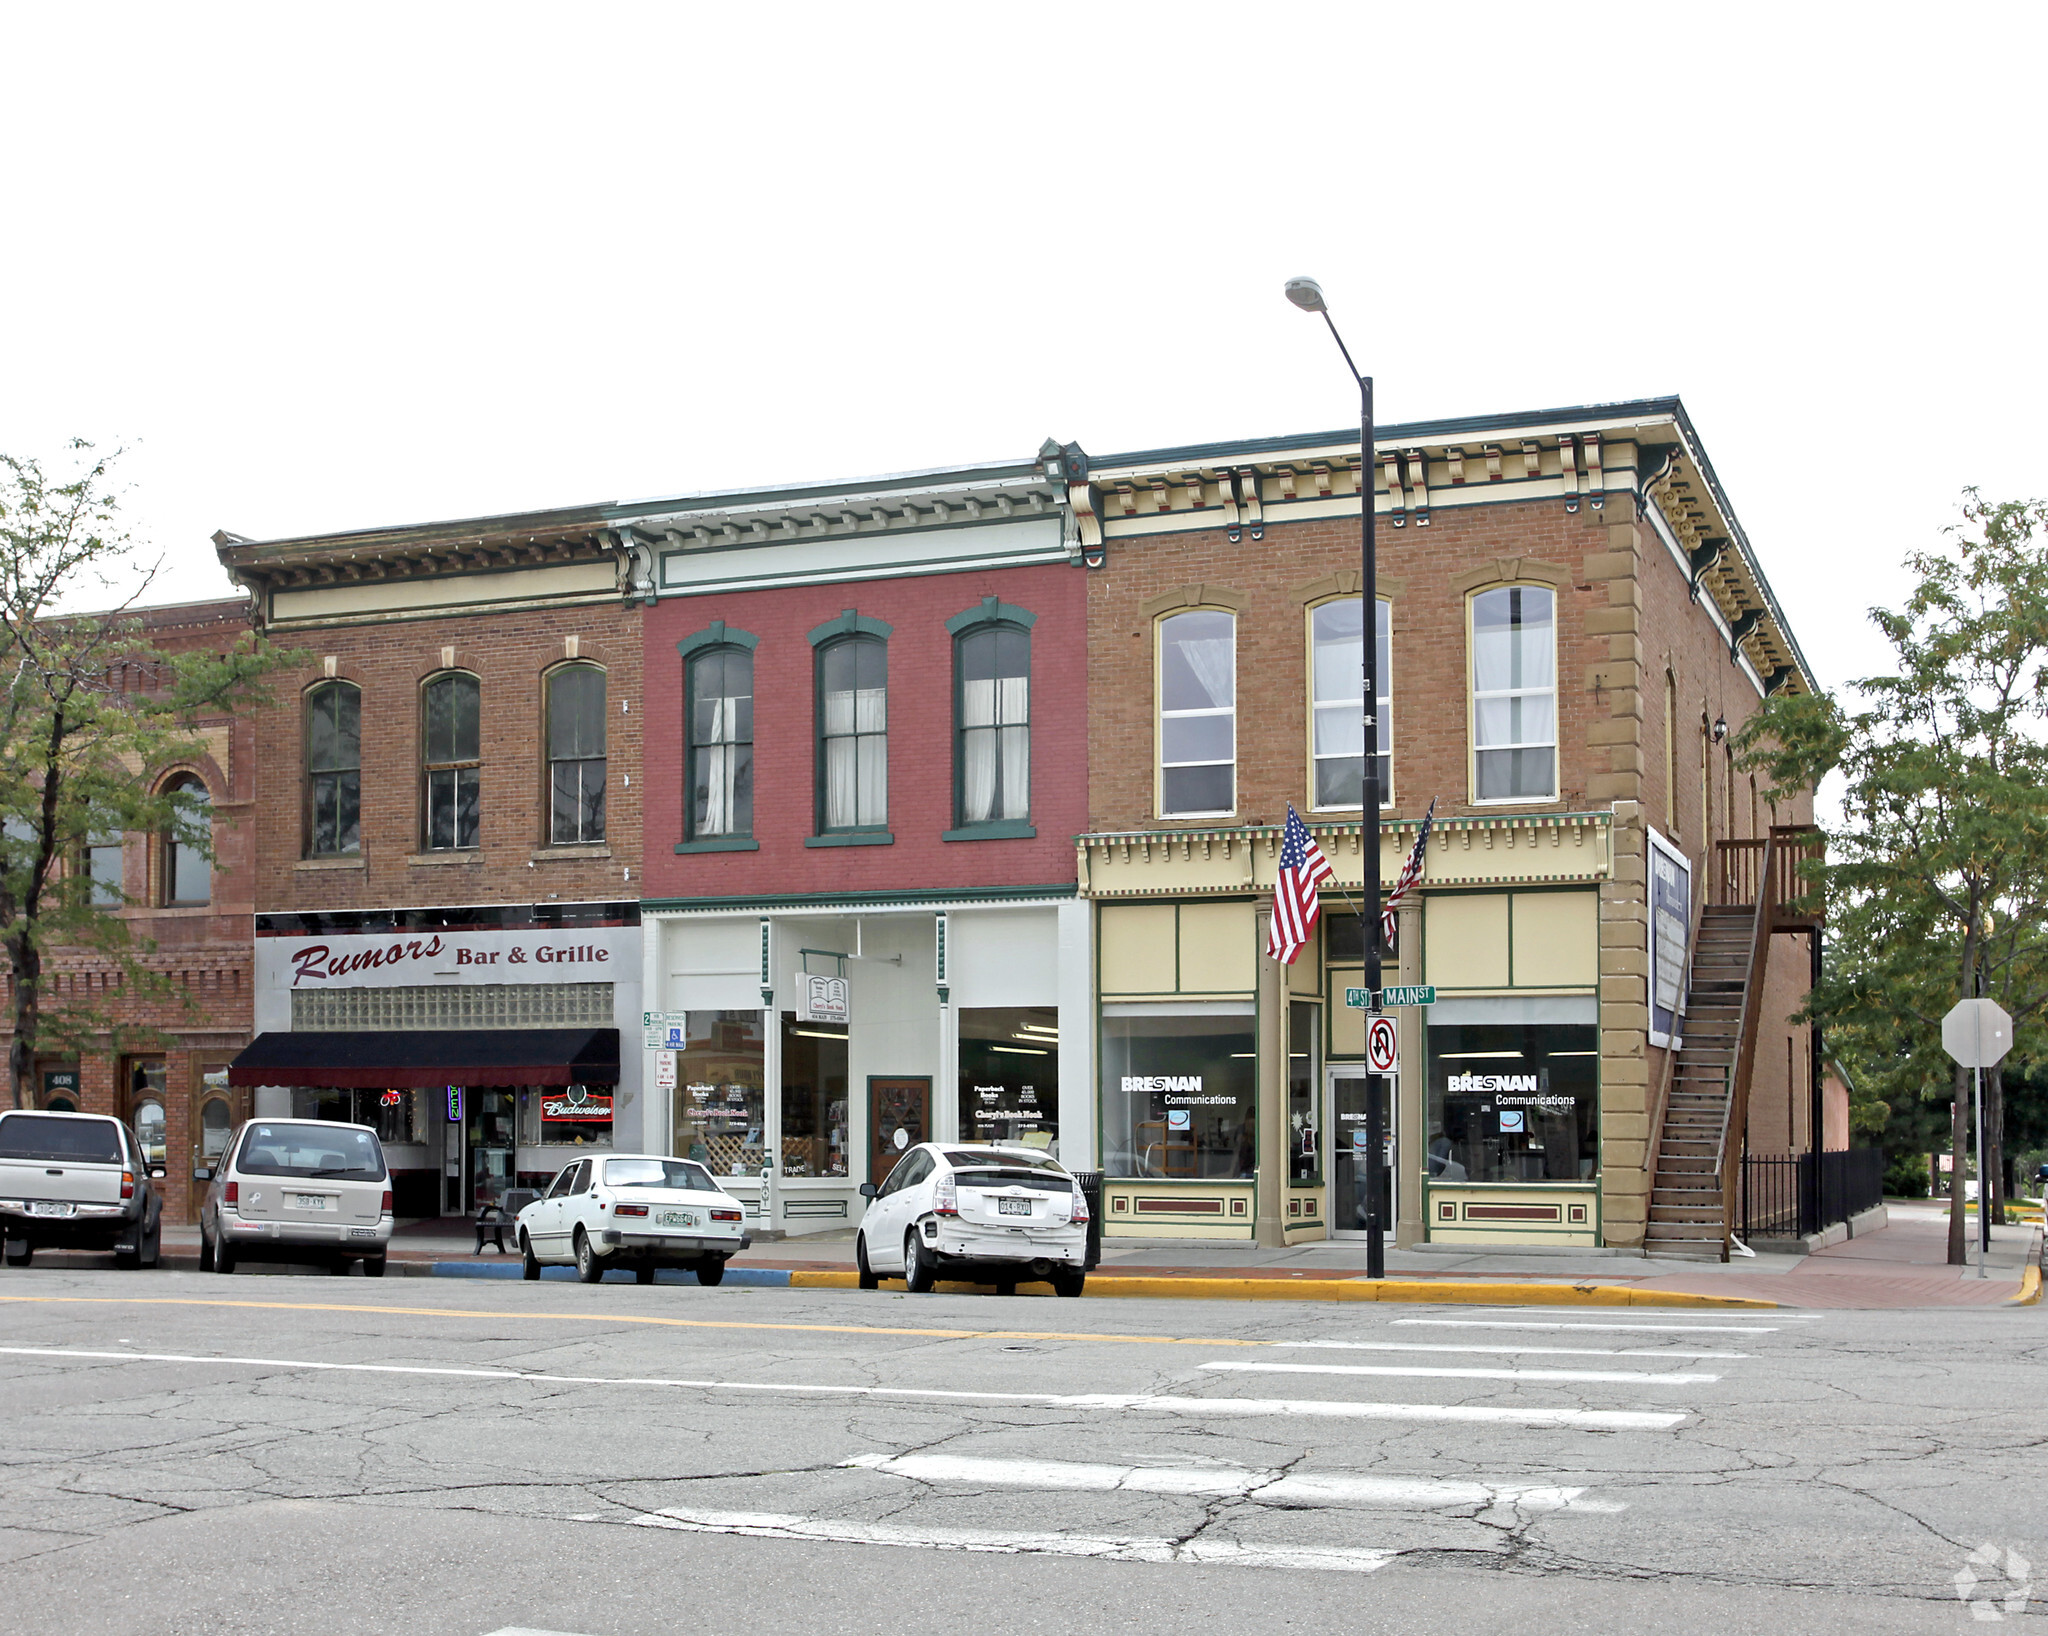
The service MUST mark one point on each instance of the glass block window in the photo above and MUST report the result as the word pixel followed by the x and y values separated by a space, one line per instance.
pixel 485 1005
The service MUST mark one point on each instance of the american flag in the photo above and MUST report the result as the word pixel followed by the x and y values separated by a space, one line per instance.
pixel 1296 905
pixel 1411 872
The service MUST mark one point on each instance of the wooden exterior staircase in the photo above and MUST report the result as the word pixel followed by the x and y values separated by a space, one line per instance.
pixel 1701 1112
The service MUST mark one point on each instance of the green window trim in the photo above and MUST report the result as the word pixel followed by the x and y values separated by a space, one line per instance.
pixel 1000 829
pixel 849 623
pixel 718 634
pixel 719 844
pixel 850 837
pixel 989 611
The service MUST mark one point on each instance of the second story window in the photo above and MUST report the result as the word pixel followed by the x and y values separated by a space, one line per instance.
pixel 1514 694
pixel 721 704
pixel 452 763
pixel 1197 714
pixel 1337 675
pixel 188 870
pixel 853 734
pixel 994 679
pixel 576 755
pixel 103 865
pixel 334 776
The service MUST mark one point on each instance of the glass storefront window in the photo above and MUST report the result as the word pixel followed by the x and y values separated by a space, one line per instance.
pixel 395 1115
pixel 721 1091
pixel 1179 1093
pixel 814 1128
pixel 1010 1075
pixel 147 1080
pixel 1304 1065
pixel 1514 1091
pixel 574 1115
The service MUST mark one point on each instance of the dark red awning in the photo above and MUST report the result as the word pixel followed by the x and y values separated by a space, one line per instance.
pixel 450 1056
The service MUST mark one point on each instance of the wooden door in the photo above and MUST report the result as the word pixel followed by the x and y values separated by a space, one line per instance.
pixel 899 1117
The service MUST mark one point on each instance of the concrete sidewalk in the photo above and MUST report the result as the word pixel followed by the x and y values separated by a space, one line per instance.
pixel 1903 1264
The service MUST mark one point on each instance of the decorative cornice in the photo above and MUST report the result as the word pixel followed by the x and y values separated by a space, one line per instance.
pixel 849 623
pixel 990 611
pixel 718 634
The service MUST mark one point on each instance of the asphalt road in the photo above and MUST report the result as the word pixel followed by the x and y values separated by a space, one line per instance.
pixel 189 1453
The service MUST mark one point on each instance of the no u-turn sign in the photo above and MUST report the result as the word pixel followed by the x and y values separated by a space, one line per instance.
pixel 1382 1046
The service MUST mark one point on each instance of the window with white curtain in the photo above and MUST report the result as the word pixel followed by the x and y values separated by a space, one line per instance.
pixel 721 690
pixel 853 734
pixel 1514 694
pixel 994 672
pixel 576 754
pixel 1337 674
pixel 453 761
pixel 1197 714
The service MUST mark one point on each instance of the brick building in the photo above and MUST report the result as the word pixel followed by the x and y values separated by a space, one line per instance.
pixel 445 852
pixel 1572 624
pixel 868 762
pixel 168 1078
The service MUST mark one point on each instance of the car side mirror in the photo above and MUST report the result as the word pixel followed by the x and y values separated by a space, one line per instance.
pixel 868 1190
pixel 157 1172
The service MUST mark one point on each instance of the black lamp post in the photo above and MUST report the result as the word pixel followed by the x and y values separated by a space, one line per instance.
pixel 1307 294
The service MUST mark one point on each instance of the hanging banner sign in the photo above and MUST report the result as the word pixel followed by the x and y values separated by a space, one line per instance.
pixel 825 1000
pixel 1670 928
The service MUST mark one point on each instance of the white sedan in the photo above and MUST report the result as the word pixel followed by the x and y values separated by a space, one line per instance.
pixel 637 1210
pixel 994 1214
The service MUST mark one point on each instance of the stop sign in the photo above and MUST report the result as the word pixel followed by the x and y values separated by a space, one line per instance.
pixel 1977 1033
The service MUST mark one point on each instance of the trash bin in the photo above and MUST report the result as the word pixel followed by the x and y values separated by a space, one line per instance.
pixel 1091 1190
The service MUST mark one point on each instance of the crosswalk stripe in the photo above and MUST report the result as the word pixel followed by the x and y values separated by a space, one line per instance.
pixel 1109 1548
pixel 1518 1351
pixel 1625 1329
pixel 1613 1377
pixel 1263 1487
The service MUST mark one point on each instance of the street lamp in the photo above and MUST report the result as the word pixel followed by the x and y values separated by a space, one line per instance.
pixel 1307 294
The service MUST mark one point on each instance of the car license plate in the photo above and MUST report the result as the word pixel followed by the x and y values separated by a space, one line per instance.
pixel 1013 1207
pixel 48 1207
pixel 362 1232
pixel 677 1218
pixel 309 1201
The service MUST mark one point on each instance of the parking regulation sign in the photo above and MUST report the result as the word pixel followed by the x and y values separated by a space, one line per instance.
pixel 1382 1046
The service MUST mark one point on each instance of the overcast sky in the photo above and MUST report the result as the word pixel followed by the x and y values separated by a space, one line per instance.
pixel 331 267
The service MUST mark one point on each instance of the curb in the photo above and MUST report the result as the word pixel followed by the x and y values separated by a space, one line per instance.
pixel 2030 1289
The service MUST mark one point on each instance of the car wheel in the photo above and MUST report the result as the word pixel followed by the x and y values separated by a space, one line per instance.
pixel 20 1252
pixel 205 1250
pixel 643 1275
pixel 588 1268
pixel 373 1266
pixel 223 1257
pixel 710 1273
pixel 869 1279
pixel 1068 1283
pixel 529 1263
pixel 920 1271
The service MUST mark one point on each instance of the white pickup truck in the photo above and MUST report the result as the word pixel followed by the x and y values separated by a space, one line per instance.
pixel 76 1181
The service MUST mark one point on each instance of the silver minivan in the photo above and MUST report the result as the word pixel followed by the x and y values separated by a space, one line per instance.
pixel 299 1190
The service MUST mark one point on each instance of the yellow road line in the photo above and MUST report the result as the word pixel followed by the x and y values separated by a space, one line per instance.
pixel 1441 1293
pixel 627 1318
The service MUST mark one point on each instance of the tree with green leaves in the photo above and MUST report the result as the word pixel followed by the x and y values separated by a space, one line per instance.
pixel 80 742
pixel 1936 879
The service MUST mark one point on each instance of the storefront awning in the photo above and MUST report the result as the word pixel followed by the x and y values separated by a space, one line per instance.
pixel 454 1056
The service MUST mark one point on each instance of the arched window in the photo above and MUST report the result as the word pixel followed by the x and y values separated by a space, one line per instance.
pixel 1198 714
pixel 334 775
pixel 1337 681
pixel 720 689
pixel 1514 694
pixel 853 735
pixel 451 762
pixel 188 864
pixel 992 701
pixel 576 755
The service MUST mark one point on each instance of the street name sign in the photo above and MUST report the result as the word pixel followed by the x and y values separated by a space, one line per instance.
pixel 1976 1033
pixel 1360 999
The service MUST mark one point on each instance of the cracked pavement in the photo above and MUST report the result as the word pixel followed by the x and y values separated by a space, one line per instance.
pixel 1835 1477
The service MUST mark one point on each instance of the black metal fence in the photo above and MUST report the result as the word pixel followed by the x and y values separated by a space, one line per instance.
pixel 1786 1195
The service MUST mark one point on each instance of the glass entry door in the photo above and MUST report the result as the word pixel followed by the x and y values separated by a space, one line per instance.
pixel 491 1147
pixel 1349 1172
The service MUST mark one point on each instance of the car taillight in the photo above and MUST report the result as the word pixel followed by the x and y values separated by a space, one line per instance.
pixel 725 1215
pixel 945 1197
pixel 1080 1206
pixel 629 1210
pixel 127 1184
pixel 232 1195
pixel 385 1206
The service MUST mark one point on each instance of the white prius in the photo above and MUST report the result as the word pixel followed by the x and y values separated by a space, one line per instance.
pixel 637 1210
pixel 999 1215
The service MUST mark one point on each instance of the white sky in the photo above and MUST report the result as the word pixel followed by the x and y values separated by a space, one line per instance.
pixel 332 267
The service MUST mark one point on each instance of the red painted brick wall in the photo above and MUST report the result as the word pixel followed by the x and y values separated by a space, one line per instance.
pixel 920 738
